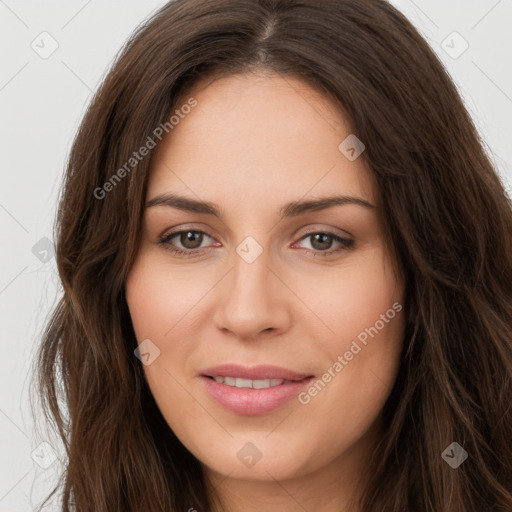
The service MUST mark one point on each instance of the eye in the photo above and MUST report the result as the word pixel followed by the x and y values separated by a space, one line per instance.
pixel 191 242
pixel 322 241
pixel 190 239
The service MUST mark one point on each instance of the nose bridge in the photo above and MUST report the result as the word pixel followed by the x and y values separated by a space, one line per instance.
pixel 251 301
pixel 250 276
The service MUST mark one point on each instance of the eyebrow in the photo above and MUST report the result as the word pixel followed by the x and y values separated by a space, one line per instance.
pixel 292 209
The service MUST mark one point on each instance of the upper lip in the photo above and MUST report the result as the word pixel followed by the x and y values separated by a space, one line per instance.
pixel 260 372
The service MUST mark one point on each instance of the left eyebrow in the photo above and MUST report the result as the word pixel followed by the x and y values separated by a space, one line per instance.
pixel 292 209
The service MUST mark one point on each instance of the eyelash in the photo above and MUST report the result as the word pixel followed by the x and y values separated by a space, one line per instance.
pixel 165 242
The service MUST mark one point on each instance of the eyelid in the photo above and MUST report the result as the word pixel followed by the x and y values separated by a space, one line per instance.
pixel 346 243
pixel 314 229
pixel 180 228
pixel 323 229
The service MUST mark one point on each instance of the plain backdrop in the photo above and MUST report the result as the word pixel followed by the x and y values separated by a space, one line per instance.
pixel 42 99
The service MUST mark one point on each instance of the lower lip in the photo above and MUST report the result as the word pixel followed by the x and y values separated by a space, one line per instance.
pixel 253 401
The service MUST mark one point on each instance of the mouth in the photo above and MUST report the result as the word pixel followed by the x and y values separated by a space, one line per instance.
pixel 236 372
pixel 252 391
pixel 239 382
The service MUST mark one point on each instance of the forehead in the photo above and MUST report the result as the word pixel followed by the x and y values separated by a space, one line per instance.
pixel 257 137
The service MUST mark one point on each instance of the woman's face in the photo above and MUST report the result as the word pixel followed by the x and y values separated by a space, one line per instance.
pixel 265 282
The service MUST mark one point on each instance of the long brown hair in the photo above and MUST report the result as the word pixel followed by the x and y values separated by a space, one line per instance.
pixel 447 215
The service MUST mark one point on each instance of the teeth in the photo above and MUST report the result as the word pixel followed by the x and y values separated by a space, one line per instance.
pixel 230 381
pixel 248 383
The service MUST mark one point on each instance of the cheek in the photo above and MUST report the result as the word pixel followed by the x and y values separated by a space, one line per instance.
pixel 164 304
pixel 143 301
pixel 351 298
pixel 158 304
pixel 158 298
pixel 363 308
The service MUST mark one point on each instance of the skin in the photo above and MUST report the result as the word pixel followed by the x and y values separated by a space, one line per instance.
pixel 252 144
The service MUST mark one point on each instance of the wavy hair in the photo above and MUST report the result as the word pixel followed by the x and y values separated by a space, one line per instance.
pixel 448 219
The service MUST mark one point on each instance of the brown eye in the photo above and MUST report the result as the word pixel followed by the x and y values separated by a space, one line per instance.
pixel 188 241
pixel 321 243
pixel 191 239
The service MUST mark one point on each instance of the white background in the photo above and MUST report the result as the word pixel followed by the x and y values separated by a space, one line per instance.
pixel 41 104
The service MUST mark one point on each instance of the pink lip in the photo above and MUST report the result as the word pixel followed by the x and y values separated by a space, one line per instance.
pixel 253 401
pixel 254 373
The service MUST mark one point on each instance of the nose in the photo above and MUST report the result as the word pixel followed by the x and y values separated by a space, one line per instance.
pixel 253 299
